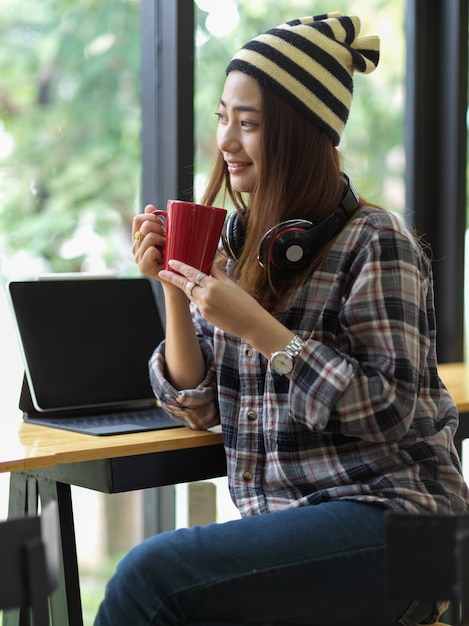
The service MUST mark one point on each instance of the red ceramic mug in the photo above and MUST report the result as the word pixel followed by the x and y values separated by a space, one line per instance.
pixel 192 233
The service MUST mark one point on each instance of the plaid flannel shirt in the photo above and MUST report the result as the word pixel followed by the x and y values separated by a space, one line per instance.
pixel 365 416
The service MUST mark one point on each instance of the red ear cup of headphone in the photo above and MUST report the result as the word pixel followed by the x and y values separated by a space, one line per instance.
pixel 287 246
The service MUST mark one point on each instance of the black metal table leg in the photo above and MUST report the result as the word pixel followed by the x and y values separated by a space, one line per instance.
pixel 66 607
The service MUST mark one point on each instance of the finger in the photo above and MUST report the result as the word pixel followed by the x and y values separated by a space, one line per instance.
pixel 148 258
pixel 139 237
pixel 182 283
pixel 145 223
pixel 136 223
pixel 149 261
pixel 171 277
pixel 186 281
pixel 140 218
pixel 186 270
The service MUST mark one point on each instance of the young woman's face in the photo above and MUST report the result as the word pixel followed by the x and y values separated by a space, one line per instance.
pixel 239 133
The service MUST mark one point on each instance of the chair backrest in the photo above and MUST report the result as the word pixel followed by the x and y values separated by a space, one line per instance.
pixel 424 554
pixel 428 558
pixel 29 562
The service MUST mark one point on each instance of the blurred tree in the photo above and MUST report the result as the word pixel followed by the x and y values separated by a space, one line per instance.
pixel 70 117
pixel 69 126
pixel 373 141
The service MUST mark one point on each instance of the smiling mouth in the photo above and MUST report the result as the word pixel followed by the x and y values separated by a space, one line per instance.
pixel 234 167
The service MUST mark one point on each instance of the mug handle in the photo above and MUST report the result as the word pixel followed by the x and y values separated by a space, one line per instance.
pixel 163 214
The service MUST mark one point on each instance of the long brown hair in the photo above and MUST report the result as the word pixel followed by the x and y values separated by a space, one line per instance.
pixel 300 178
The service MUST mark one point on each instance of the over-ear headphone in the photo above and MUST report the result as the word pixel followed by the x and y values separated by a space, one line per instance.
pixel 289 245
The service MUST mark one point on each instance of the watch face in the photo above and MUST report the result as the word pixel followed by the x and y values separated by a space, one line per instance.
pixel 281 363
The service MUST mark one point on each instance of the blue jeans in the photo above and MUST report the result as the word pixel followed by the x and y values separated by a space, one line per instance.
pixel 319 565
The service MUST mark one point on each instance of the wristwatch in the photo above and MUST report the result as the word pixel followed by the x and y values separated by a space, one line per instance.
pixel 282 361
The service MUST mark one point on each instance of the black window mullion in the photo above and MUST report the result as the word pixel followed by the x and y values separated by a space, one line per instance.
pixel 437 50
pixel 167 102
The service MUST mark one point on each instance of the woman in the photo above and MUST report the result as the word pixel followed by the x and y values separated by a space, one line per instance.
pixel 313 346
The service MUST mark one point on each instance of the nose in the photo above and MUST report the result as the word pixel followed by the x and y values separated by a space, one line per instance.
pixel 227 138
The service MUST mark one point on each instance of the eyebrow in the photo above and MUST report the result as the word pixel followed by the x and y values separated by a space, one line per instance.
pixel 241 107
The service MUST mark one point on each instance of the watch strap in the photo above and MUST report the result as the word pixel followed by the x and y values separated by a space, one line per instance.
pixel 294 347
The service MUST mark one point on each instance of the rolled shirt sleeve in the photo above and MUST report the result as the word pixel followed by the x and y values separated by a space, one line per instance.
pixel 196 408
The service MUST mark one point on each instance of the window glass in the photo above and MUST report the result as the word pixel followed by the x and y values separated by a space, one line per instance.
pixel 69 185
pixel 373 142
pixel 70 171
pixel 69 134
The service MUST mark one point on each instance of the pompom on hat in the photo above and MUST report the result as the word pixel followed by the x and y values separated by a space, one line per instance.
pixel 310 63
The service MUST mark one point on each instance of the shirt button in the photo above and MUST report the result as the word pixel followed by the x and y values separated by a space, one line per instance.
pixel 252 416
pixel 247 476
pixel 249 352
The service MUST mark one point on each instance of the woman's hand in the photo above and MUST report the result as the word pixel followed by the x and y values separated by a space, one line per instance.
pixel 220 300
pixel 148 235
pixel 227 306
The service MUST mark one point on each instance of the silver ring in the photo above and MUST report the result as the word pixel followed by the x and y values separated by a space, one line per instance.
pixel 200 277
pixel 188 287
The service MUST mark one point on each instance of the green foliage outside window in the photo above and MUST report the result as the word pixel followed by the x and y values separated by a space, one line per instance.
pixel 70 119
pixel 373 142
pixel 69 128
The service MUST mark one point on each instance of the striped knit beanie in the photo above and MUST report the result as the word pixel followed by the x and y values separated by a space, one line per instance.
pixel 310 62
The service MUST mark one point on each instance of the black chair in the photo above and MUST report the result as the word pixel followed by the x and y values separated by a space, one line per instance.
pixel 428 559
pixel 29 563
